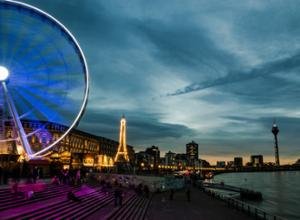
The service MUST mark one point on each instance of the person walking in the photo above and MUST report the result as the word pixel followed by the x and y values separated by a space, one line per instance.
pixel 35 174
pixel 188 194
pixel 78 178
pixel 121 197
pixel 171 194
pixel 0 175
pixel 146 191
pixel 118 196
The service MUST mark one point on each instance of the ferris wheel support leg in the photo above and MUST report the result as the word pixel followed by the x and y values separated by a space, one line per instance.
pixel 16 118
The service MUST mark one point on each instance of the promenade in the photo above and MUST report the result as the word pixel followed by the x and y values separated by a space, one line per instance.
pixel 98 203
pixel 201 206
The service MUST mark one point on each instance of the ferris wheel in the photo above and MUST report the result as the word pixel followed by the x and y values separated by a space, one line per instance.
pixel 43 74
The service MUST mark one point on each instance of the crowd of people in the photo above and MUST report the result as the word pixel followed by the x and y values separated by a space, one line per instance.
pixel 142 190
pixel 113 184
pixel 117 189
pixel 69 177
pixel 187 188
pixel 17 171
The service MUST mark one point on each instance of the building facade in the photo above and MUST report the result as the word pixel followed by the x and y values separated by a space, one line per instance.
pixel 144 161
pixel 181 161
pixel 220 164
pixel 170 159
pixel 192 153
pixel 238 162
pixel 155 154
pixel 257 160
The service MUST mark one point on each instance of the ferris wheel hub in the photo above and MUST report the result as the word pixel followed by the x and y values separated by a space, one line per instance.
pixel 4 73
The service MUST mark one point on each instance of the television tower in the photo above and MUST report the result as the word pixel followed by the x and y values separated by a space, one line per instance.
pixel 275 131
pixel 122 149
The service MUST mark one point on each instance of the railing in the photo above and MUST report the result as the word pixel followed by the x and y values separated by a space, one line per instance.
pixel 251 210
pixel 223 186
pixel 245 193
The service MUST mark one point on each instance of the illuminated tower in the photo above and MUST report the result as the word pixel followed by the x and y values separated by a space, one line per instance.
pixel 122 155
pixel 275 131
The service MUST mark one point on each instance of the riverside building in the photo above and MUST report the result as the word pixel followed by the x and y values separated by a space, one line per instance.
pixel 192 153
pixel 77 148
pixel 257 160
pixel 238 162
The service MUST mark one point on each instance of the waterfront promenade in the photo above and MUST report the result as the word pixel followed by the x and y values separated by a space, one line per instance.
pixel 201 206
pixel 96 203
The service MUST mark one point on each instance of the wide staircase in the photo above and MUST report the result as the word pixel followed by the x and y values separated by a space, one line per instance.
pixel 52 203
pixel 135 208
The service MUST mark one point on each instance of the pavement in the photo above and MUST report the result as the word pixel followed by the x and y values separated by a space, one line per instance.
pixel 201 206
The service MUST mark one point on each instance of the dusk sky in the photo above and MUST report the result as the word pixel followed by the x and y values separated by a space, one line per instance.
pixel 216 72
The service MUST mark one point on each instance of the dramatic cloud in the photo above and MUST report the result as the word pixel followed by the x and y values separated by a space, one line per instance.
pixel 263 71
pixel 216 72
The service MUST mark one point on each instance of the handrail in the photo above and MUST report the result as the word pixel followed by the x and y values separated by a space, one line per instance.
pixel 242 206
pixel 225 186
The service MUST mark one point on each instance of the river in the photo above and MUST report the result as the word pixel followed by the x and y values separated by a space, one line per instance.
pixel 280 190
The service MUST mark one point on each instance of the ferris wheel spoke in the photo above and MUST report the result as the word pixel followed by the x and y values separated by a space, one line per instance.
pixel 18 41
pixel 31 52
pixel 27 107
pixel 34 40
pixel 55 94
pixel 9 52
pixel 41 83
pixel 45 48
pixel 22 104
pixel 41 108
pixel 3 46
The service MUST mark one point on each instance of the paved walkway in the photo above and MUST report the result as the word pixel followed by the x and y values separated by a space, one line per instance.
pixel 201 206
pixel 98 205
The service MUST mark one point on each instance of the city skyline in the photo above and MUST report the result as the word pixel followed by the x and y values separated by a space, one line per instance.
pixel 216 73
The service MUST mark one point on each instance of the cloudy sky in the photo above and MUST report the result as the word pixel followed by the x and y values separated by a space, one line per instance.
pixel 216 72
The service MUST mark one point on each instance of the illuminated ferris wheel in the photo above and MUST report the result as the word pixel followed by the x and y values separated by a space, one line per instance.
pixel 43 75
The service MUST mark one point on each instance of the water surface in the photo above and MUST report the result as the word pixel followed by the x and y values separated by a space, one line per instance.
pixel 281 190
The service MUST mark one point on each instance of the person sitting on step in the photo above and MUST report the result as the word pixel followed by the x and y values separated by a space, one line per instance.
pixel 73 197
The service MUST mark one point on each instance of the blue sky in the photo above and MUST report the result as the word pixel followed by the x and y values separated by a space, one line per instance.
pixel 216 72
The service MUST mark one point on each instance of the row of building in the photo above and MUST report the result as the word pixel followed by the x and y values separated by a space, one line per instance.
pixel 79 149
pixel 76 149
pixel 255 161
pixel 150 159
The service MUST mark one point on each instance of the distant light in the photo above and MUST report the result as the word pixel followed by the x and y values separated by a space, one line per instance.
pixel 4 73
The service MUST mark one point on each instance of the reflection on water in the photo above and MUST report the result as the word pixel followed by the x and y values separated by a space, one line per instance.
pixel 281 190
